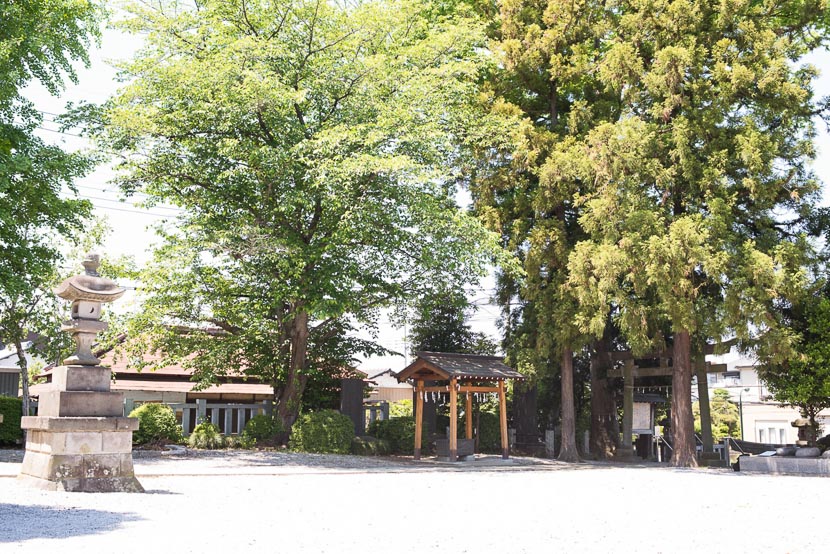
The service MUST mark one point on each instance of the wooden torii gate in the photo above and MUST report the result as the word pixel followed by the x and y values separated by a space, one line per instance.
pixel 465 374
pixel 631 371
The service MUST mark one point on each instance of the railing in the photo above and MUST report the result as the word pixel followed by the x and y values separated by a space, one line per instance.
pixel 746 447
pixel 230 418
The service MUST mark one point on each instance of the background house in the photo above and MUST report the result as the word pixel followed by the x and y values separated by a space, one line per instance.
pixel 764 419
pixel 384 387
pixel 10 371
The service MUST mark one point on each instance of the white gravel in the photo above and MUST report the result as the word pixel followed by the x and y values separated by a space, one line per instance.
pixel 289 503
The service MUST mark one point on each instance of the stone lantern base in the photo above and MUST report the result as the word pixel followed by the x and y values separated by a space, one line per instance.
pixel 80 442
pixel 80 454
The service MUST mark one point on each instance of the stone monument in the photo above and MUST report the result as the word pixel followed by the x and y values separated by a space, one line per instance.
pixel 80 441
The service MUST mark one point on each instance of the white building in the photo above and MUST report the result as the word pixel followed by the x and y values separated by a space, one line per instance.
pixel 763 419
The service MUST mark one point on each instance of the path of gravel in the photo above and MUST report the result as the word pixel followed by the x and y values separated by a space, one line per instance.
pixel 294 503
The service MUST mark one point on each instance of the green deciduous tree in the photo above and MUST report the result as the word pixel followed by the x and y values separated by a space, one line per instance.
pixel 803 380
pixel 315 147
pixel 701 191
pixel 39 41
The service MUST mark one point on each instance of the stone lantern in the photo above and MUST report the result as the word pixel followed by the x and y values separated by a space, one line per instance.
pixel 80 439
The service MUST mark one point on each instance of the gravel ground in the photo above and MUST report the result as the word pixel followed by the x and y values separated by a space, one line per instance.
pixel 295 503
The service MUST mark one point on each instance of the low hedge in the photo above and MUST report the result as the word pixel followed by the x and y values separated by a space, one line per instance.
pixel 398 432
pixel 206 436
pixel 326 431
pixel 370 446
pixel 12 409
pixel 262 429
pixel 156 423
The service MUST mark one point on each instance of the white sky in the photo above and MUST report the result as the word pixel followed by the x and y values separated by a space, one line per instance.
pixel 131 224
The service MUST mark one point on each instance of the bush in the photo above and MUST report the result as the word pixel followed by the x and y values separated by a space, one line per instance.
pixel 401 408
pixel 206 436
pixel 489 433
pixel 370 446
pixel 10 431
pixel 326 431
pixel 156 423
pixel 399 432
pixel 242 441
pixel 262 428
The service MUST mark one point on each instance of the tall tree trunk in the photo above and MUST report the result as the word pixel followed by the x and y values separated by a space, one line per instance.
pixel 603 411
pixel 568 451
pixel 24 379
pixel 682 421
pixel 290 398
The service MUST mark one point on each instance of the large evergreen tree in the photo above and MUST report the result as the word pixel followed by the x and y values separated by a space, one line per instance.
pixel 701 191
pixel 549 51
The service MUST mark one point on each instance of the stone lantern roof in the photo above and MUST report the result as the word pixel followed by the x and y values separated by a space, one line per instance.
pixel 90 286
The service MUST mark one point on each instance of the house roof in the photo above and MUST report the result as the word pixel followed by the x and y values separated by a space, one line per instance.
pixel 174 377
pixel 444 365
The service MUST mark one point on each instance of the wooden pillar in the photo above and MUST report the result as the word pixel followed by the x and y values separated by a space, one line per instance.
pixel 468 415
pixel 628 407
pixel 453 420
pixel 705 412
pixel 505 447
pixel 419 417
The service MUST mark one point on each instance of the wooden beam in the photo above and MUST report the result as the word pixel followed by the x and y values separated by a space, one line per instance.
pixel 478 388
pixel 453 420
pixel 664 371
pixel 705 412
pixel 468 415
pixel 505 446
pixel 720 348
pixel 419 418
pixel 628 407
pixel 462 388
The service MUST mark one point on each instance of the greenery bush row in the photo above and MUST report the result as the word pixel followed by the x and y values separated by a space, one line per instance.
pixel 157 424
pixel 326 431
pixel 10 431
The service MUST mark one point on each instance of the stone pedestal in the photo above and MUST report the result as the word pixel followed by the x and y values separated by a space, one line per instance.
pixel 80 442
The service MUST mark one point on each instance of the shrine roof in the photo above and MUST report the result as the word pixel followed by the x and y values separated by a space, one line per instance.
pixel 447 365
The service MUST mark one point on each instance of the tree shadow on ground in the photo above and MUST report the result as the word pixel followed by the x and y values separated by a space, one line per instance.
pixel 236 462
pixel 22 523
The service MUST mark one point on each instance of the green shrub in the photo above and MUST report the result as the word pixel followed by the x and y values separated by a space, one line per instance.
pixel 156 423
pixel 325 431
pixel 262 428
pixel 10 431
pixel 489 433
pixel 206 436
pixel 401 408
pixel 370 446
pixel 242 441
pixel 399 432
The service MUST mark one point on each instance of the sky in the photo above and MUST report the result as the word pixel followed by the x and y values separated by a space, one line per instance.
pixel 132 225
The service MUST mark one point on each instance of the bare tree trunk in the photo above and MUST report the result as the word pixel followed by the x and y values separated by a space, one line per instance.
pixel 603 411
pixel 24 380
pixel 289 401
pixel 682 421
pixel 568 451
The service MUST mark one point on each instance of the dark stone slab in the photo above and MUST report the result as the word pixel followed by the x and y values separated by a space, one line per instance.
pixel 778 465
pixel 466 447
pixel 808 452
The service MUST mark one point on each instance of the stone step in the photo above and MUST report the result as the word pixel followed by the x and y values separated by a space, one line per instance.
pixel 81 378
pixel 81 403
